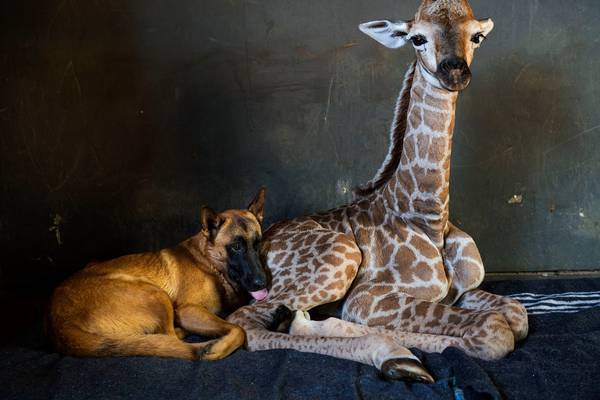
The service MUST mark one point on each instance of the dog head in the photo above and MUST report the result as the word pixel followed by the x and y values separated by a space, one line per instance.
pixel 233 240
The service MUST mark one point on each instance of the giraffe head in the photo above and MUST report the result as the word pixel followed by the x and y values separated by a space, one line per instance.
pixel 444 33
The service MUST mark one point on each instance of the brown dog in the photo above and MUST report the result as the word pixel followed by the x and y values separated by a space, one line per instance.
pixel 129 306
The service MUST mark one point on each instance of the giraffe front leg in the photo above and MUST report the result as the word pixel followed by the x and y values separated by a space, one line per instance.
pixel 463 264
pixel 512 310
pixel 483 335
pixel 394 361
pixel 403 366
pixel 400 363
pixel 465 269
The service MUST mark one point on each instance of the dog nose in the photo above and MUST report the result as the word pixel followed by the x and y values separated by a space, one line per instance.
pixel 259 282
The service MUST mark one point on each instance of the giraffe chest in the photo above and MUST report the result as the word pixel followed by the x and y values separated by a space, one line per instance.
pixel 404 259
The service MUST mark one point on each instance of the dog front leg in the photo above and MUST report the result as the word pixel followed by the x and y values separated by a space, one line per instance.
pixel 196 319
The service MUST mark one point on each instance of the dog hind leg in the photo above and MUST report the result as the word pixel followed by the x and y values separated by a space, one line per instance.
pixel 196 319
pixel 86 344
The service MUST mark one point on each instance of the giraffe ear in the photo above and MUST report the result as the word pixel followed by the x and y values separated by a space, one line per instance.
pixel 486 26
pixel 392 35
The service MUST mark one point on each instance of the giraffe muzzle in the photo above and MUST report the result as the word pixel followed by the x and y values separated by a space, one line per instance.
pixel 454 73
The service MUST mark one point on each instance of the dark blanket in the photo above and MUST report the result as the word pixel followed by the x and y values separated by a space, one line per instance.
pixel 559 360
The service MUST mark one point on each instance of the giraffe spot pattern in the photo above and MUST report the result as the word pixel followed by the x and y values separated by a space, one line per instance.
pixel 397 246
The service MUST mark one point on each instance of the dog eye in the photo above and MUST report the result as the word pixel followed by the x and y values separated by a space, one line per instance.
pixel 418 40
pixel 236 246
pixel 478 38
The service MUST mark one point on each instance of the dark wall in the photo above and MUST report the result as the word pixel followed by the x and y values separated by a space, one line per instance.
pixel 119 119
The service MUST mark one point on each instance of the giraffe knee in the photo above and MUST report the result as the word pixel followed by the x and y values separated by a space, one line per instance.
pixel 516 316
pixel 302 325
pixel 490 338
pixel 253 339
pixel 468 275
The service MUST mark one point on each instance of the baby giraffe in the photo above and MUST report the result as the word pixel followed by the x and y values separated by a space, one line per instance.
pixel 407 277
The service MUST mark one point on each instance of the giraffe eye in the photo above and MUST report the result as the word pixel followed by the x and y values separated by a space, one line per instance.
pixel 477 38
pixel 418 40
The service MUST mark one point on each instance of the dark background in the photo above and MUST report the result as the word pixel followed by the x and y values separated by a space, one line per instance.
pixel 119 119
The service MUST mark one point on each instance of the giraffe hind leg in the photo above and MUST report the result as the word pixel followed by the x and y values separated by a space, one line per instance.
pixel 433 327
pixel 512 310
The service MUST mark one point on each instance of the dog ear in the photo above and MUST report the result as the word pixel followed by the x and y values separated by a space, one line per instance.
pixel 211 222
pixel 257 205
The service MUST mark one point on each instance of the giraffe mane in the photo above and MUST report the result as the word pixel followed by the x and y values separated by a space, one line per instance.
pixel 392 160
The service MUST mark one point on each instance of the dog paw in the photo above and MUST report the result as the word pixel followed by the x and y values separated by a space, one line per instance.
pixel 205 352
pixel 181 333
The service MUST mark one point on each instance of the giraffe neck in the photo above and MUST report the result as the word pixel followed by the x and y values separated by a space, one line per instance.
pixel 419 188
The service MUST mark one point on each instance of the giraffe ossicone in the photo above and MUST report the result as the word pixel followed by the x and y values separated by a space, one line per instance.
pixel 406 276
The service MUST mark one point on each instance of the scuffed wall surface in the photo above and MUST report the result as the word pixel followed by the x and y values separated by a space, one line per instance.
pixel 119 119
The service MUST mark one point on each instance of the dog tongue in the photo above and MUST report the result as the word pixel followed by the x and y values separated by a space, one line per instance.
pixel 260 295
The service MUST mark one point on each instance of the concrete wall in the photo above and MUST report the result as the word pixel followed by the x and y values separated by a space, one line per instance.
pixel 119 119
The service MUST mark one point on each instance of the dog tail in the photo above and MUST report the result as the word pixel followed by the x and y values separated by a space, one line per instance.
pixel 86 344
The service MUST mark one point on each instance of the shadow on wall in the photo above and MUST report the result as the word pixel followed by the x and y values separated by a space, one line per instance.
pixel 528 109
pixel 120 119
pixel 74 142
pixel 220 153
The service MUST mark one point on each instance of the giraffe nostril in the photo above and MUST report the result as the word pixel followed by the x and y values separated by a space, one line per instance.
pixel 453 64
pixel 454 72
pixel 456 76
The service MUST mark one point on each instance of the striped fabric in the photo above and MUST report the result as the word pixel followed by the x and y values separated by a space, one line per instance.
pixel 569 302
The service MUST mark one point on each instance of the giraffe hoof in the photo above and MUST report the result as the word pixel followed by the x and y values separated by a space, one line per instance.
pixel 406 369
pixel 301 324
pixel 282 319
